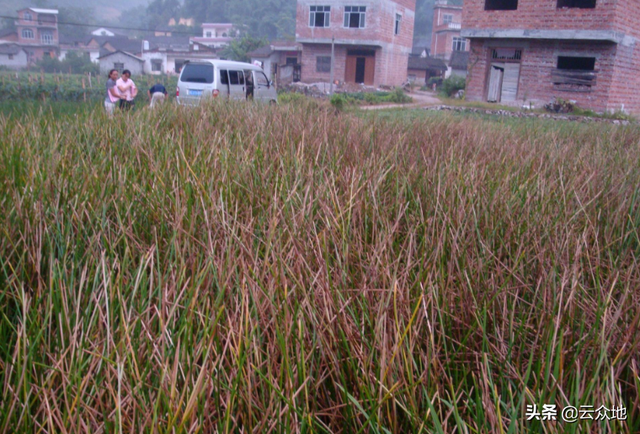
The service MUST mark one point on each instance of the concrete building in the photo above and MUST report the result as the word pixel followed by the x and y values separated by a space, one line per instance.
pixel 37 32
pixel 373 40
pixel 280 60
pixel 13 56
pixel 121 60
pixel 157 54
pixel 216 35
pixel 445 37
pixel 535 50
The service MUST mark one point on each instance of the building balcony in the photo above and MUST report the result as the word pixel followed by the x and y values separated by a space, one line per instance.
pixel 455 26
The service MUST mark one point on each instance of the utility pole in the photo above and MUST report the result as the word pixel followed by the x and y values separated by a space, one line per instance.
pixel 333 44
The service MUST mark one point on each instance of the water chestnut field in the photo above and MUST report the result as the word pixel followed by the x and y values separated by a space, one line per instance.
pixel 240 268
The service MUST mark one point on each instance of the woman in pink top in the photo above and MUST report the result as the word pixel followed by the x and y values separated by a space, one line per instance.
pixel 128 90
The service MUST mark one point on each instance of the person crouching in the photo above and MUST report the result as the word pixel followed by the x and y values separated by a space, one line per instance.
pixel 157 94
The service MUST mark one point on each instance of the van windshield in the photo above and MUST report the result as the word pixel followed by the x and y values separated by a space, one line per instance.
pixel 193 73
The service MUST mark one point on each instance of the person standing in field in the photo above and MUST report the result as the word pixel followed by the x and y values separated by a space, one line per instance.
pixel 128 90
pixel 157 94
pixel 113 96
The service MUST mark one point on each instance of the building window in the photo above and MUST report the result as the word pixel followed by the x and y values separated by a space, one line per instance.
pixel 208 35
pixel 501 5
pixel 119 66
pixel 447 19
pixel 10 56
pixel 397 28
pixel 27 16
pixel 574 74
pixel 46 38
pixel 27 34
pixel 323 64
pixel 583 4
pixel 224 35
pixel 459 44
pixel 156 65
pixel 319 16
pixel 576 63
pixel 354 17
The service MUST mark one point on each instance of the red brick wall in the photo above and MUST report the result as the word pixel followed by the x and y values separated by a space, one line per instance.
pixel 544 14
pixel 391 58
pixel 539 59
pixel 380 21
pixel 309 54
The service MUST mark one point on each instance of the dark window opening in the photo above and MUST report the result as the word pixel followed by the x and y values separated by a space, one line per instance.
pixel 323 64
pixel 355 17
pixel 583 4
pixel 574 74
pixel 224 76
pixel 360 68
pixel 501 5
pixel 236 78
pixel 193 73
pixel 577 63
pixel 319 16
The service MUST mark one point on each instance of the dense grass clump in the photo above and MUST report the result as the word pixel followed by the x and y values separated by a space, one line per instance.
pixel 243 268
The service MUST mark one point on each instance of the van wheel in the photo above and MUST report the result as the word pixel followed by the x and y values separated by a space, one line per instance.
pixel 273 102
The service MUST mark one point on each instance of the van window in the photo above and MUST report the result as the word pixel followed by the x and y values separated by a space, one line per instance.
pixel 224 77
pixel 261 79
pixel 236 77
pixel 193 73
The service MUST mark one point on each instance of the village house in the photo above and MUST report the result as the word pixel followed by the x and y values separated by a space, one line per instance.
pixel 154 56
pixel 422 68
pixel 280 60
pixel 13 56
pixel 372 40
pixel 531 51
pixel 36 33
pixel 447 24
pixel 216 35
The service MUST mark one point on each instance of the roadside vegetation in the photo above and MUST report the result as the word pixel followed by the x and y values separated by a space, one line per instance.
pixel 247 268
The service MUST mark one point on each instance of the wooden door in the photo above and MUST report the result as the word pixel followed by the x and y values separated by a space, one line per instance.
pixel 350 70
pixel 510 82
pixel 495 83
pixel 369 70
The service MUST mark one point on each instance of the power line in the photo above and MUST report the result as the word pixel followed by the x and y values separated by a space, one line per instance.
pixel 111 27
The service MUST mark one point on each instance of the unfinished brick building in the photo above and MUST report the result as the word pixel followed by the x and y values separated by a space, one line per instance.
pixel 373 40
pixel 526 51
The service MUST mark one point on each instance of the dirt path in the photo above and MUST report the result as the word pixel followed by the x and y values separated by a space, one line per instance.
pixel 420 99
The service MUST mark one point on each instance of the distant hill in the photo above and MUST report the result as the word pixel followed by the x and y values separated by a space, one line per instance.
pixel 104 11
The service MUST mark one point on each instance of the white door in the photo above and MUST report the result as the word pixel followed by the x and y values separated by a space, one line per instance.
pixel 510 82
pixel 495 82
pixel 263 90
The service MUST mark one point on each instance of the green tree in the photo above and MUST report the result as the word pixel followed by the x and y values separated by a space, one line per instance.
pixel 238 49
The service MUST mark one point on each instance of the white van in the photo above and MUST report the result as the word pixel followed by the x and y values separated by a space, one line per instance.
pixel 223 79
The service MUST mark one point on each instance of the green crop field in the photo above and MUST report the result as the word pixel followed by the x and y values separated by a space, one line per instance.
pixel 245 268
pixel 68 87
